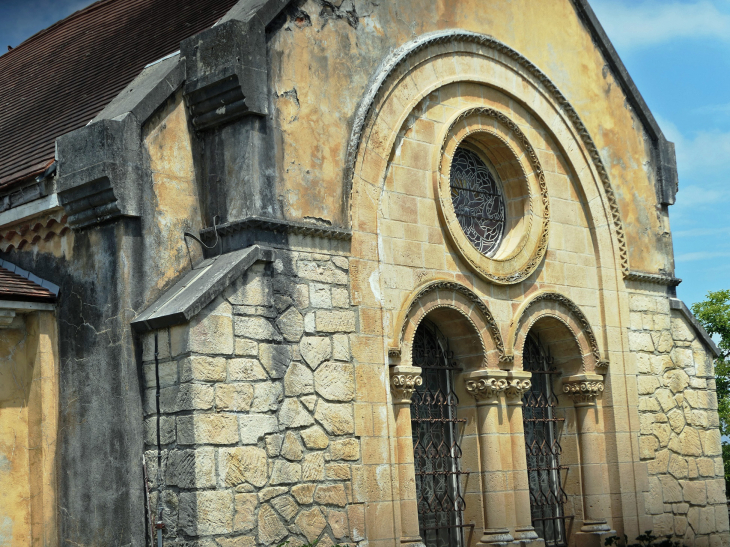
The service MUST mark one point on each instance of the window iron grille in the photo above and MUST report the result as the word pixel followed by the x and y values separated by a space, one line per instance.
pixel 478 201
pixel 547 497
pixel 435 442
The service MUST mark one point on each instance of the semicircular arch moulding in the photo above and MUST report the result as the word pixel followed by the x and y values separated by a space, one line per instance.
pixel 406 58
pixel 558 306
pixel 449 294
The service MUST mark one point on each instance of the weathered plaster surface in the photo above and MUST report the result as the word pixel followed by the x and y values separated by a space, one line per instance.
pixel 323 58
pixel 176 200
pixel 28 430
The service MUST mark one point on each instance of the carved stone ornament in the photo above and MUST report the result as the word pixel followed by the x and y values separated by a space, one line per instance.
pixel 484 389
pixel 403 382
pixel 516 388
pixel 452 286
pixel 584 388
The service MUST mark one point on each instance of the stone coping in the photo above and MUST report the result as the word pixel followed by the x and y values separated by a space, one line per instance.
pixel 681 307
pixel 198 288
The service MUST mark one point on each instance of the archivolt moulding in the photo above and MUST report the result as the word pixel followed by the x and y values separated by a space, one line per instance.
pixel 409 319
pixel 399 59
pixel 516 327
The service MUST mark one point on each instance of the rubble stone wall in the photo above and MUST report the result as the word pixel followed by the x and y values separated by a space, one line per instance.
pixel 256 401
pixel 679 439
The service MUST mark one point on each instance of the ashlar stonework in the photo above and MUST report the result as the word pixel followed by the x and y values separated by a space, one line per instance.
pixel 252 431
pixel 341 360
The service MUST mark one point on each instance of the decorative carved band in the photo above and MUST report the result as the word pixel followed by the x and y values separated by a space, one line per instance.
pixel 275 225
pixel 584 391
pixel 658 279
pixel 579 316
pixel 402 386
pixel 34 230
pixel 486 388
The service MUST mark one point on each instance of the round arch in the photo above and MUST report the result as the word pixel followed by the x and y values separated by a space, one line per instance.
pixel 559 311
pixel 421 66
pixel 460 315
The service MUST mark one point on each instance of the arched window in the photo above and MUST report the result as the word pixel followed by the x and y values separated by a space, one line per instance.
pixel 435 441
pixel 547 497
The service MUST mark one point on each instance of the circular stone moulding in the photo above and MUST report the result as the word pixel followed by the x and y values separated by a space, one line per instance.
pixel 492 196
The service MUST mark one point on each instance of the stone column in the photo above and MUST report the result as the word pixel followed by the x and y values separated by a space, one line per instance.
pixel 584 389
pixel 518 383
pixel 485 386
pixel 403 382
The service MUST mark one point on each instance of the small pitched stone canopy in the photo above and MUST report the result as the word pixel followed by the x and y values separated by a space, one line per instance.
pixel 198 288
pixel 21 291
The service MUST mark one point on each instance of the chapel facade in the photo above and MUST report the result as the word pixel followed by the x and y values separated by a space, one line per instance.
pixel 367 273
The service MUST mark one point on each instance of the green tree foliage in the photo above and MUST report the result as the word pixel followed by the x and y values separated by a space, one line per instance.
pixel 714 314
pixel 647 539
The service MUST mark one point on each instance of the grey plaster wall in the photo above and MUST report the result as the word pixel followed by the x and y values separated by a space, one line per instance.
pixel 100 483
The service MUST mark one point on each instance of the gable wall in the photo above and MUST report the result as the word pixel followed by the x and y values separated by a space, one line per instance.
pixel 322 59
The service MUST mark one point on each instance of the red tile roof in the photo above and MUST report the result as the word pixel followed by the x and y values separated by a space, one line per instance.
pixel 60 78
pixel 16 287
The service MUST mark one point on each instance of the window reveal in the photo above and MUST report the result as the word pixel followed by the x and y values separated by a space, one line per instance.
pixel 547 497
pixel 435 443
pixel 478 201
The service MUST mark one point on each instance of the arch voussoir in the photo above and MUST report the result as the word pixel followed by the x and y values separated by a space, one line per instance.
pixel 550 304
pixel 435 295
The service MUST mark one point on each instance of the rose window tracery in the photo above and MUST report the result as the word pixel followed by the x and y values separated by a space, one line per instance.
pixel 478 201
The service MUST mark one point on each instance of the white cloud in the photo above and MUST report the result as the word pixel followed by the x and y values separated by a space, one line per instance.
pixel 705 153
pixel 701 232
pixel 700 255
pixel 713 109
pixel 641 24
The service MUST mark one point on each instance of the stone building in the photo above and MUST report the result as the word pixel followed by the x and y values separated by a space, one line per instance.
pixel 368 273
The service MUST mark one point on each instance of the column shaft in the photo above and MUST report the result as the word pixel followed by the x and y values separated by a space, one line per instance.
pixel 486 387
pixel 523 529
pixel 596 502
pixel 403 382
pixel 584 390
pixel 406 475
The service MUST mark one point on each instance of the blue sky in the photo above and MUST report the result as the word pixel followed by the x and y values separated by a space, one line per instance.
pixel 21 19
pixel 678 53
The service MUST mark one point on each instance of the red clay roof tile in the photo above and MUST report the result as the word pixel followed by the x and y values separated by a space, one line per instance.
pixel 63 76
pixel 16 287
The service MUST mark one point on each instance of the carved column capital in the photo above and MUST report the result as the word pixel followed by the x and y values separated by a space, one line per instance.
pixel 485 385
pixel 517 387
pixel 583 389
pixel 403 382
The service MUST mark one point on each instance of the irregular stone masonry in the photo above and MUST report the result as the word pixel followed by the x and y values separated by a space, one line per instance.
pixel 678 438
pixel 256 404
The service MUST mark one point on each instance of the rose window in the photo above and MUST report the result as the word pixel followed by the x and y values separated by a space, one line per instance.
pixel 478 201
